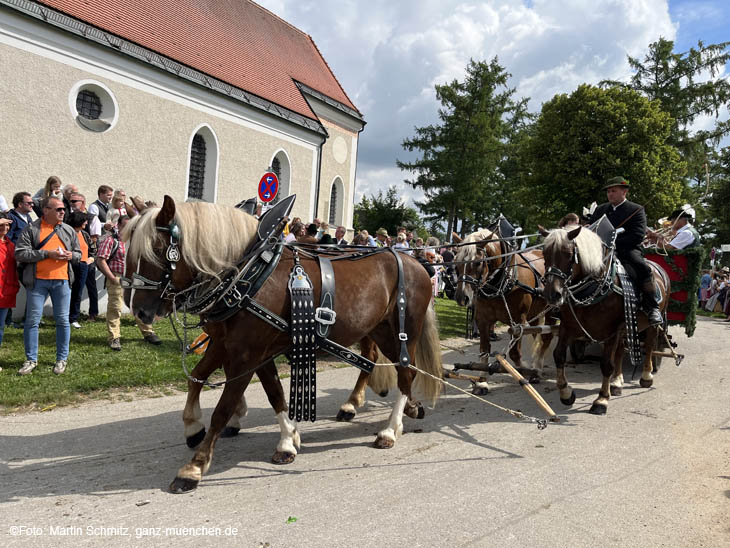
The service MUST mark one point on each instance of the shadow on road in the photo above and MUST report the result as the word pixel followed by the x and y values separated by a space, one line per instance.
pixel 142 453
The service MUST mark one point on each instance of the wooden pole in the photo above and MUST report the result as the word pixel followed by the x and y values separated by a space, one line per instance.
pixel 528 388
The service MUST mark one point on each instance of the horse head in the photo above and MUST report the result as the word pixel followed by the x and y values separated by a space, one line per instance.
pixel 155 266
pixel 561 262
pixel 473 266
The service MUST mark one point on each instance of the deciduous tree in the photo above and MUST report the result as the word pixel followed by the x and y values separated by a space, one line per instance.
pixel 583 139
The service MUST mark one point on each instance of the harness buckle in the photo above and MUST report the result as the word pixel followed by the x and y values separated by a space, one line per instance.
pixel 325 316
pixel 403 336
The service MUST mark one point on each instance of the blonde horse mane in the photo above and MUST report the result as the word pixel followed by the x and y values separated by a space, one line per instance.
pixel 589 245
pixel 213 237
pixel 469 252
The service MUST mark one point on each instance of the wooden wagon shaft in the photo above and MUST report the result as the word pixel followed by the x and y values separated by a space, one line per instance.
pixel 528 388
pixel 535 330
pixel 452 375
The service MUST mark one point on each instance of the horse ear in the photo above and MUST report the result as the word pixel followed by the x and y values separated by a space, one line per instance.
pixel 455 237
pixel 167 213
pixel 573 234
pixel 543 231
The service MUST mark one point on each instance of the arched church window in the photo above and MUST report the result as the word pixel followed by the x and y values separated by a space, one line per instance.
pixel 196 179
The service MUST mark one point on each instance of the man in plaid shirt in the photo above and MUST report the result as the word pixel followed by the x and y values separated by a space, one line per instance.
pixel 110 260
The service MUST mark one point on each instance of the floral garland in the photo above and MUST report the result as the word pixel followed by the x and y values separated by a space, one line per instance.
pixel 683 267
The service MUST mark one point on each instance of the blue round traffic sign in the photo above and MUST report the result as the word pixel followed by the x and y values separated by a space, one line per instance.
pixel 268 187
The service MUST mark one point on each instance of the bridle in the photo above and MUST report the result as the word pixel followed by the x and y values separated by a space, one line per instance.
pixel 555 272
pixel 172 256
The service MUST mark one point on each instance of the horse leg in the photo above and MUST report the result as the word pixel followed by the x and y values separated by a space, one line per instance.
pixel 189 476
pixel 516 354
pixel 233 426
pixel 194 428
pixel 348 410
pixel 289 441
pixel 617 379
pixel 386 437
pixel 600 404
pixel 647 379
pixel 485 349
pixel 567 396
pixel 543 345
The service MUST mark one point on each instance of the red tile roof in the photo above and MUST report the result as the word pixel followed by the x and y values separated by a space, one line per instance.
pixel 236 41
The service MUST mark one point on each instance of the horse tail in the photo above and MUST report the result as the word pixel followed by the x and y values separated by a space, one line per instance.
pixel 382 378
pixel 427 358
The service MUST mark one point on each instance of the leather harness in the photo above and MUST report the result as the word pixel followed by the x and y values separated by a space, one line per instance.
pixel 309 327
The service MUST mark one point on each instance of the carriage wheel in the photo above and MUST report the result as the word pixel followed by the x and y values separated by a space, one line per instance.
pixel 578 351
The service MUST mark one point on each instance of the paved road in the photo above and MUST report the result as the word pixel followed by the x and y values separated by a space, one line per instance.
pixel 654 472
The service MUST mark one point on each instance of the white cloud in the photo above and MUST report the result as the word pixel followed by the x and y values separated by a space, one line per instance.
pixel 389 54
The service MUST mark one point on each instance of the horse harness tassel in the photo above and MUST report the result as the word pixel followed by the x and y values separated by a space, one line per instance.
pixel 633 344
pixel 302 356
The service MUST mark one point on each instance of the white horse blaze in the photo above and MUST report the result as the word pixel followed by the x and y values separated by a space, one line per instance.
pixel 395 423
pixel 290 440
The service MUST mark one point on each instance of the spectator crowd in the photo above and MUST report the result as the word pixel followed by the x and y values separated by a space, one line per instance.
pixel 437 263
pixel 51 244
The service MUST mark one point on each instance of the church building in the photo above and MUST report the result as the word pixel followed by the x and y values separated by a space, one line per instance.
pixel 192 98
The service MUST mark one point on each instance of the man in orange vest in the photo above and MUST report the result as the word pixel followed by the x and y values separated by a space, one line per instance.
pixel 48 247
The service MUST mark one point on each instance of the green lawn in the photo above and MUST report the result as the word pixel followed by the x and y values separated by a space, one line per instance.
pixel 94 370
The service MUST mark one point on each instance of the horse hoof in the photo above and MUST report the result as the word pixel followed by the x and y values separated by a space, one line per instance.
pixel 414 411
pixel 230 432
pixel 345 416
pixel 616 390
pixel 598 409
pixel 534 379
pixel 283 457
pixel 195 439
pixel 570 401
pixel 480 390
pixel 383 393
pixel 182 485
pixel 381 442
pixel 646 383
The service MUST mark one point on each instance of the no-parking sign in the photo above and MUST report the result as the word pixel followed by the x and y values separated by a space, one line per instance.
pixel 268 187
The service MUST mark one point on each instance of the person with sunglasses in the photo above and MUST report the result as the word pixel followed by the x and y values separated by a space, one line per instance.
pixel 47 247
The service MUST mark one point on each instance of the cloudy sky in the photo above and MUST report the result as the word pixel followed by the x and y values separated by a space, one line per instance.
pixel 388 54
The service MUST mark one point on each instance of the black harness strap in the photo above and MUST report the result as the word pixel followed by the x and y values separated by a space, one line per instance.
pixel 404 359
pixel 327 345
pixel 325 314
pixel 302 394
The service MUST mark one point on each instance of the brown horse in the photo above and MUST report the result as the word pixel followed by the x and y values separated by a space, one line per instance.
pixel 488 280
pixel 212 239
pixel 570 257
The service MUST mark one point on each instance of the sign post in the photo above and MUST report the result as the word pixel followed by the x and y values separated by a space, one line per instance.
pixel 268 187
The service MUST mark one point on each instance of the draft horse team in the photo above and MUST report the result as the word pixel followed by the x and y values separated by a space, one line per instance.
pixel 185 252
